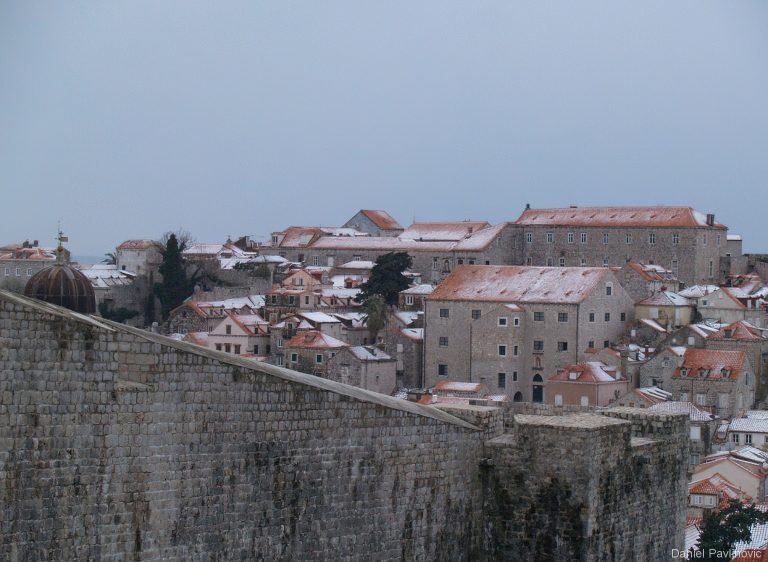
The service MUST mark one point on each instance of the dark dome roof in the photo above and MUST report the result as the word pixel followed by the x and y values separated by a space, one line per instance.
pixel 63 285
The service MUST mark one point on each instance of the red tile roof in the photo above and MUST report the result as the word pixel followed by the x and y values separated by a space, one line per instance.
pixel 742 331
pixel 591 372
pixel 651 272
pixel 713 362
pixel 382 219
pixel 313 339
pixel 442 231
pixel 138 245
pixel 615 217
pixel 520 284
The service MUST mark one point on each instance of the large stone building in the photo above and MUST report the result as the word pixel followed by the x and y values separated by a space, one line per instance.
pixel 684 241
pixel 121 444
pixel 510 327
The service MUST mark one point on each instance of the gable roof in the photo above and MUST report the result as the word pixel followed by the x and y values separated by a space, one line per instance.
pixel 139 245
pixel 713 362
pixel 382 219
pixel 665 298
pixel 442 231
pixel 589 372
pixel 313 339
pixel 676 407
pixel 741 330
pixel 684 217
pixel 493 283
pixel 651 272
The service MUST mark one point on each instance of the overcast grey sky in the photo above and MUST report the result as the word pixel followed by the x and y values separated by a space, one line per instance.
pixel 128 119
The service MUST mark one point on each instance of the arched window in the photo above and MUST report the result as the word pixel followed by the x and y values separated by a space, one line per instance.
pixel 518 397
pixel 538 388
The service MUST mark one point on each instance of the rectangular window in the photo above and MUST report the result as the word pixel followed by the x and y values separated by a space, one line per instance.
pixel 570 237
pixel 562 317
pixel 357 257
pixel 538 316
pixel 443 313
pixel 538 345
pixel 607 316
pixel 562 346
pixel 218 347
pixel 228 347
pixel 228 329
pixel 562 262
pixel 718 239
pixel 591 316
pixel 306 299
pixel 711 268
pixel 291 300
pixel 319 358
pixel 516 322
pixel 652 238
pixel 605 262
pixel 502 351
pixel 683 397
pixel 409 299
pixel 629 238
pixel 583 237
pixel 502 380
pixel 585 401
pixel 237 349
pixel 583 262
pixel 442 370
pixel 701 399
pixel 29 272
pixel 550 262
pixel 279 360
pixel 7 271
pixel 503 322
pixel 675 239
pixel 529 237
pixel 475 314
pixel 605 238
pixel 515 350
pixel 256 349
pixel 514 376
pixel 704 239
pixel 674 267
pixel 435 264
pixel 294 357
pixel 550 237
pixel 279 344
pixel 623 316
pixel 735 437
pixel 608 290
pixel 269 349
pixel 315 260
pixel 18 272
pixel 606 344
pixel 529 261
pixel 591 344
pixel 443 341
pixel 748 438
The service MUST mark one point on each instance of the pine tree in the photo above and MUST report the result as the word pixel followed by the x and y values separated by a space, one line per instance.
pixel 175 287
pixel 721 530
pixel 387 279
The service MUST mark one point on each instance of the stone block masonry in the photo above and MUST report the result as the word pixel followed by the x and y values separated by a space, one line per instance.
pixel 118 444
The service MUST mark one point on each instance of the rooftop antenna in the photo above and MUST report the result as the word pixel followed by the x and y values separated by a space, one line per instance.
pixel 60 249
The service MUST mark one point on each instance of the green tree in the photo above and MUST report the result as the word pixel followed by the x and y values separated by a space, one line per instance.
pixel 175 287
pixel 376 308
pixel 721 530
pixel 110 259
pixel 120 314
pixel 387 278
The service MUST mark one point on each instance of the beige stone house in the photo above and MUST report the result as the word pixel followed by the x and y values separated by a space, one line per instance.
pixel 309 351
pixel 668 309
pixel 510 326
pixel 720 382
pixel 203 316
pixel 641 280
pixel 743 336
pixel 586 384
pixel 241 334
pixel 374 223
pixel 364 366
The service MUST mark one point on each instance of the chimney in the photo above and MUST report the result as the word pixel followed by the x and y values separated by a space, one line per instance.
pixel 527 206
pixel 624 354
pixel 711 219
pixel 35 243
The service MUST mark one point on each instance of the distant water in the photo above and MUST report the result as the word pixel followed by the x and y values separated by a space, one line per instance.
pixel 88 260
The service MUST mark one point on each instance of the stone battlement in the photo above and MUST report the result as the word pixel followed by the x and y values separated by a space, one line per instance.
pixel 116 443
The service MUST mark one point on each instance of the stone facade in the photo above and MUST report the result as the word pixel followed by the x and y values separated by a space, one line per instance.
pixel 119 444
pixel 691 249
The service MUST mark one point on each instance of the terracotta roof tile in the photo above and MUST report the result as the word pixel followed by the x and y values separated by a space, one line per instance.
pixel 519 284
pixel 382 219
pixel 715 364
pixel 742 330
pixel 139 245
pixel 313 339
pixel 615 217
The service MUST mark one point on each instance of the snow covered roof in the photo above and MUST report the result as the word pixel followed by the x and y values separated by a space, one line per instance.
pixel 442 231
pixel 357 264
pixel 567 285
pixel 319 317
pixel 742 331
pixel 665 298
pixel 413 333
pixel 653 324
pixel 369 353
pixel 423 289
pixel 589 372
pixel 698 291
pixel 674 407
pixel 314 339
pixel 382 219
pixel 406 317
pixel 652 272
pixel 757 414
pixel 104 276
pixel 615 217
pixel 139 245
pixel 749 425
